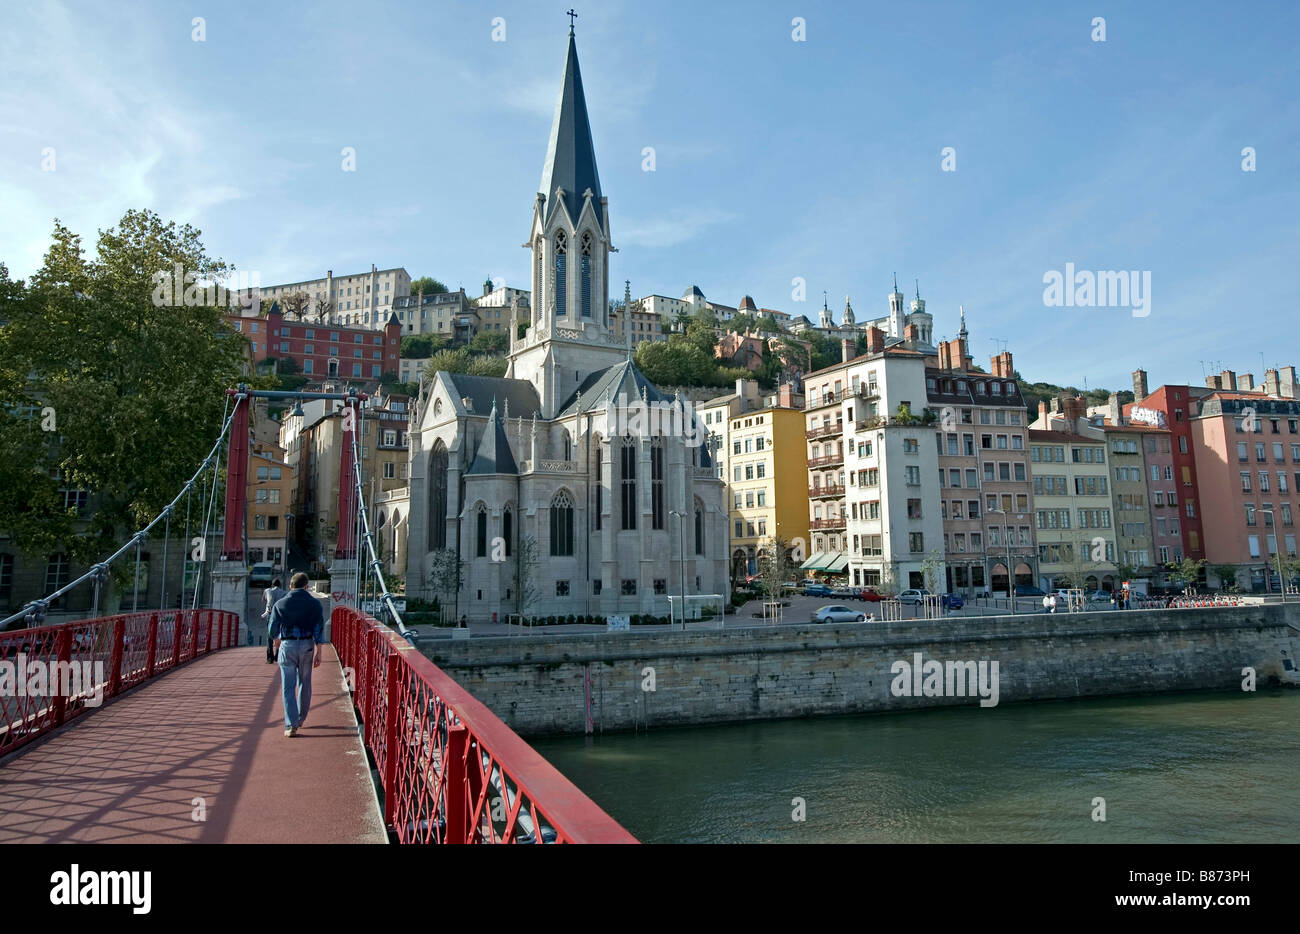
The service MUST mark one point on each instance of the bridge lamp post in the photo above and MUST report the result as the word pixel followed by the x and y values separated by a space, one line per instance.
pixel 1277 552
pixel 681 556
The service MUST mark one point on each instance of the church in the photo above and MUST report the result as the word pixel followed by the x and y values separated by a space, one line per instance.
pixel 556 501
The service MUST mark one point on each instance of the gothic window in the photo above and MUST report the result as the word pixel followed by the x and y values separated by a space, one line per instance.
pixel 561 274
pixel 699 528
pixel 480 531
pixel 508 530
pixel 568 447
pixel 537 295
pixel 586 275
pixel 657 483
pixel 438 496
pixel 561 524
pixel 627 482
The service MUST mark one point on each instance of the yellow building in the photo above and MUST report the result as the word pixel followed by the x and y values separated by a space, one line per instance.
pixel 769 492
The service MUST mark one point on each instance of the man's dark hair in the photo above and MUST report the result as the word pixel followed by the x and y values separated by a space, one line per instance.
pixel 276 582
pixel 298 581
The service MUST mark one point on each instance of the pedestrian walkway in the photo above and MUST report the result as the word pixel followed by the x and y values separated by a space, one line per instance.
pixel 198 755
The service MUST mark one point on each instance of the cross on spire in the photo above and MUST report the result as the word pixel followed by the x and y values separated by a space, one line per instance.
pixel 572 16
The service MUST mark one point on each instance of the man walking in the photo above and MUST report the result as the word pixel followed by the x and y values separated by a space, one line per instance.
pixel 297 627
pixel 273 594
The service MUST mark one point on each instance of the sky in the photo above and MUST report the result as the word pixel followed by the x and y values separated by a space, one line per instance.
pixel 792 141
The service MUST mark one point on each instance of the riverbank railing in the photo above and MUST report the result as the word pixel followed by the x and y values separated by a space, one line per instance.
pixel 50 674
pixel 450 770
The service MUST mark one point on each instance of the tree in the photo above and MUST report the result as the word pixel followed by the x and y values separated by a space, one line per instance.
pixel 136 385
pixel 527 589
pixel 1226 573
pixel 489 342
pixel 321 310
pixel 295 304
pixel 775 568
pixel 930 570
pixel 1187 572
pixel 460 360
pixel 428 286
pixel 446 576
pixel 675 362
pixel 419 346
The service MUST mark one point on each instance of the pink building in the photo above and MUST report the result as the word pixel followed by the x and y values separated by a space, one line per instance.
pixel 1247 448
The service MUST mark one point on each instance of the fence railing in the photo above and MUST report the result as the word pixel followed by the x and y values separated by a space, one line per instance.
pixel 50 674
pixel 451 771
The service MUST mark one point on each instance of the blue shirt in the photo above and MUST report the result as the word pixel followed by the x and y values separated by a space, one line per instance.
pixel 297 616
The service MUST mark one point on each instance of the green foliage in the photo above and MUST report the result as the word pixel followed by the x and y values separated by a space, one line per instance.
pixel 676 362
pixel 489 342
pixel 419 346
pixel 137 389
pixel 427 285
pixel 1187 571
pixel 460 360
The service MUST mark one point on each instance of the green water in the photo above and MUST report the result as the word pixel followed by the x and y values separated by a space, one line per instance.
pixel 1177 769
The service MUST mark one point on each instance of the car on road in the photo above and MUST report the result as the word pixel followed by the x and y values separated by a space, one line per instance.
pixel 953 601
pixel 914 596
pixel 1028 590
pixel 816 590
pixel 838 614
pixel 870 595
pixel 262 573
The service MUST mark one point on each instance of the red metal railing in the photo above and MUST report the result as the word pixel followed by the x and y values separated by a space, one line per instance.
pixel 50 674
pixel 451 771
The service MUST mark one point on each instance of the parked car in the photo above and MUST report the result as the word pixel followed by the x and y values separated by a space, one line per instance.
pixel 850 593
pixel 867 593
pixel 1099 596
pixel 1027 590
pixel 838 614
pixel 953 601
pixel 913 596
pixel 816 590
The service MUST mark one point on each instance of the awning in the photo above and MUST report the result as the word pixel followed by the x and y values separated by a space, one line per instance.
pixel 815 563
pixel 839 562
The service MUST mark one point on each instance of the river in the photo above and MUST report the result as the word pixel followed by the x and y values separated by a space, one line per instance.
pixel 1172 769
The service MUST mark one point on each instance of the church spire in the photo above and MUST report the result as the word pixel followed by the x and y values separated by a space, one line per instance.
pixel 570 155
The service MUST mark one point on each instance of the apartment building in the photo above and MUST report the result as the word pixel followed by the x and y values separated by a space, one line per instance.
pixel 1073 512
pixel 985 483
pixel 448 315
pixel 363 299
pixel 1247 446
pixel 769 498
pixel 270 502
pixel 321 351
pixel 869 442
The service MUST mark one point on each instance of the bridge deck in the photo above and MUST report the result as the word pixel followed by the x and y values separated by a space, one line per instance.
pixel 212 729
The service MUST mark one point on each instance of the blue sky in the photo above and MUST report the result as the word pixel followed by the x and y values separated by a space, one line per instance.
pixel 775 159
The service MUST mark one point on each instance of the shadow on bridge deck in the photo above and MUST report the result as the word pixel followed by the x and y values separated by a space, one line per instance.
pixel 213 730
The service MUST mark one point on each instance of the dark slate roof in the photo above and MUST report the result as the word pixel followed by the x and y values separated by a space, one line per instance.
pixel 607 384
pixel 486 391
pixel 493 454
pixel 570 155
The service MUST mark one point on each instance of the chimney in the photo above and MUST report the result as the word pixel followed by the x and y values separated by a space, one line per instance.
pixel 785 396
pixel 1246 382
pixel 875 340
pixel 1140 385
pixel 945 357
pixel 1042 412
pixel 1228 380
pixel 1271 383
pixel 1112 408
pixel 1001 365
pixel 847 350
pixel 1212 382
pixel 1055 403
pixel 1074 408
pixel 910 333
pixel 1286 382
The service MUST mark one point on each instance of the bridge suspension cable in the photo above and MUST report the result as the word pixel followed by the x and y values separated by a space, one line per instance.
pixel 33 612
pixel 374 566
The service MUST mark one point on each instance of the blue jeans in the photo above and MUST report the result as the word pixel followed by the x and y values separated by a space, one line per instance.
pixel 296 656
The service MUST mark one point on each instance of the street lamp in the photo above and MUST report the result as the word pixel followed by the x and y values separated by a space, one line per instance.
pixel 681 557
pixel 1281 584
pixel 1011 574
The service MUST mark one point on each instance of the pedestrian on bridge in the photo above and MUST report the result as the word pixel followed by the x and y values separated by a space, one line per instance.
pixel 274 594
pixel 297 628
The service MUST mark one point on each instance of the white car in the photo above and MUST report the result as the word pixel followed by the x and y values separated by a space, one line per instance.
pixel 913 596
pixel 837 614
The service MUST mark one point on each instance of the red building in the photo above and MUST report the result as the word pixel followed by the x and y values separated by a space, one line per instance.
pixel 322 350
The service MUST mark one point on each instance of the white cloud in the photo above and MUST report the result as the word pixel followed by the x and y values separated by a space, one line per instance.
pixel 671 228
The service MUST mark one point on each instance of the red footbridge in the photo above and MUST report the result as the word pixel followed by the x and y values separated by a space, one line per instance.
pixel 157 727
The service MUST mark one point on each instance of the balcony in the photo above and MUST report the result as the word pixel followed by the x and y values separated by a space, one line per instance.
pixel 830 491
pixel 826 460
pixel 831 524
pixel 824 431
